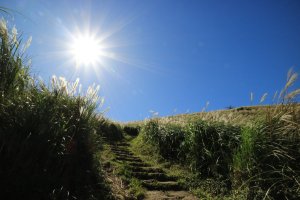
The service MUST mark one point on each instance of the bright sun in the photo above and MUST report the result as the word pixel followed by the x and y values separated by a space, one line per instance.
pixel 86 50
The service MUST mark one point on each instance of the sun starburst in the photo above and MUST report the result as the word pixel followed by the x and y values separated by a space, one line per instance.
pixel 86 49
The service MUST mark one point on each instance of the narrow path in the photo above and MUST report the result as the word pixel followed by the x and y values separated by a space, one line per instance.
pixel 154 180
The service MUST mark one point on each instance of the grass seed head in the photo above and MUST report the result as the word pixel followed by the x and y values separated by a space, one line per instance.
pixel 263 98
pixel 3 27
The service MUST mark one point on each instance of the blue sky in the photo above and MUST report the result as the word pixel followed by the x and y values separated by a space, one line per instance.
pixel 167 56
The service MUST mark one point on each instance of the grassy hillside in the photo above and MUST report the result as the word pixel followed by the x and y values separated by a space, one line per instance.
pixel 245 115
pixel 49 140
pixel 243 153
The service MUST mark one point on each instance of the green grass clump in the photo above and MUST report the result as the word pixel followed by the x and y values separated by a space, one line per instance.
pixel 132 130
pixel 112 131
pixel 207 149
pixel 48 141
pixel 167 138
pixel 14 74
pixel 242 158
pixel 267 160
pixel 136 189
pixel 277 156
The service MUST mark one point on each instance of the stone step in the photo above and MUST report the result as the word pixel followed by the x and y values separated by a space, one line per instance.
pixel 147 169
pixel 161 185
pixel 153 176
pixel 138 164
pixel 158 184
pixel 119 148
pixel 121 144
pixel 169 195
pixel 122 153
pixel 132 159
pixel 126 156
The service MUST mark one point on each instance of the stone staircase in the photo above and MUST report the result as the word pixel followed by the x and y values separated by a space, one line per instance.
pixel 157 183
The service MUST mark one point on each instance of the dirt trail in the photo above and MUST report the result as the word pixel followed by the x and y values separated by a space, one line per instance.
pixel 154 180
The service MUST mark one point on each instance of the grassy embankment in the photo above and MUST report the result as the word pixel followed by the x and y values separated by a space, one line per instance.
pixel 49 141
pixel 243 153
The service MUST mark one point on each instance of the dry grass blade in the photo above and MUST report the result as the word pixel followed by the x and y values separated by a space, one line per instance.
pixel 292 77
pixel 263 98
pixel 293 94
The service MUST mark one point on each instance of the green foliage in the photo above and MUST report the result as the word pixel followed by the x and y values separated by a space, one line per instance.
pixel 207 148
pixel 13 73
pixel 253 162
pixel 123 169
pixel 269 156
pixel 166 138
pixel 48 140
pixel 131 130
pixel 267 161
pixel 243 160
pixel 136 189
pixel 47 144
pixel 135 186
pixel 111 131
pixel 277 158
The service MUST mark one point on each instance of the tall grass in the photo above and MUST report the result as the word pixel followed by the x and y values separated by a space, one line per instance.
pixel 275 148
pixel 259 157
pixel 207 149
pixel 14 74
pixel 111 131
pixel 166 138
pixel 48 138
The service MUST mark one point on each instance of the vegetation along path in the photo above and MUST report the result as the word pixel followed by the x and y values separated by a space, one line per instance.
pixel 156 183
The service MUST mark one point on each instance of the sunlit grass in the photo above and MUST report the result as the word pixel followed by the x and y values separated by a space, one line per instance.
pixel 243 153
